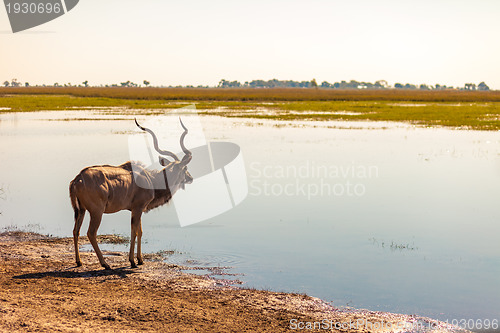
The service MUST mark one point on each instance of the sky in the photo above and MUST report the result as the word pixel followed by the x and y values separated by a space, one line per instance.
pixel 193 42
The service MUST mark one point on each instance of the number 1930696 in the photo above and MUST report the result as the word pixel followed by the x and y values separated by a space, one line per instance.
pixel 33 8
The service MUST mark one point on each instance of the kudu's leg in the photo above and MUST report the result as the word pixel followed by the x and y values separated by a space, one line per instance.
pixel 76 234
pixel 95 221
pixel 139 236
pixel 135 226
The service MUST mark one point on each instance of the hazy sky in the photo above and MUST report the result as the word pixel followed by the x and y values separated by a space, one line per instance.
pixel 200 42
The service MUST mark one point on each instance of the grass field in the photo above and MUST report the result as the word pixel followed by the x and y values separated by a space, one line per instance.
pixel 452 108
pixel 260 95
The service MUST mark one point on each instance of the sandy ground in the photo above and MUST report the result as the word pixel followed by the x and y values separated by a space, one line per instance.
pixel 41 290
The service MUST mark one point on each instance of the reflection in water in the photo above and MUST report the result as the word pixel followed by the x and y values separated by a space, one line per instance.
pixel 418 235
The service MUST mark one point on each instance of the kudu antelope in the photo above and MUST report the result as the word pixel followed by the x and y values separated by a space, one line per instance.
pixel 130 186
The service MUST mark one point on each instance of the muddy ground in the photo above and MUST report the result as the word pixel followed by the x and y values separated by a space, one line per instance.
pixel 41 290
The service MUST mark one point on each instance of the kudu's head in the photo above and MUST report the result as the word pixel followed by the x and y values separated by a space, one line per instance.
pixel 176 170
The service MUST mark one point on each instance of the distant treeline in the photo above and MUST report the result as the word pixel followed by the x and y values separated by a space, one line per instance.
pixel 353 84
pixel 274 83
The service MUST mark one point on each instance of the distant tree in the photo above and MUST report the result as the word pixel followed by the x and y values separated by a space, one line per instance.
pixel 273 83
pixel 14 83
pixel 398 86
pixel 56 84
pixel 325 84
pixel 314 84
pixel 146 83
pixel 381 84
pixel 85 83
pixel 482 86
pixel 229 84
pixel 353 84
pixel 26 84
pixel 424 87
pixel 470 86
pixel 366 85
pixel 6 83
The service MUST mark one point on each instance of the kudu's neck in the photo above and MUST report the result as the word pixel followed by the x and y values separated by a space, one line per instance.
pixel 164 187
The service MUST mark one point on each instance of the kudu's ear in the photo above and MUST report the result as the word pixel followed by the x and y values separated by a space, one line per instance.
pixel 163 161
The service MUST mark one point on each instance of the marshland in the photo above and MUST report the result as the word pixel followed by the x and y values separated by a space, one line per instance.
pixel 417 237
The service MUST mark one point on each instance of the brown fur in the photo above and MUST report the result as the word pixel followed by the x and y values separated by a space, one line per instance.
pixel 108 189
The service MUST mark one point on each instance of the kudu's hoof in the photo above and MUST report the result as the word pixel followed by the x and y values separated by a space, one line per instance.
pixel 133 265
pixel 78 264
pixel 106 267
pixel 140 262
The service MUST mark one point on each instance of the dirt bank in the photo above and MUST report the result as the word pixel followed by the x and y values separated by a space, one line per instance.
pixel 41 290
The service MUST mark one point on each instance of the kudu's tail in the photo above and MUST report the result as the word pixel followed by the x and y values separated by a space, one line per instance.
pixel 75 203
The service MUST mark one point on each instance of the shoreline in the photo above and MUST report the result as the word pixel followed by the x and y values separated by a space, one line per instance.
pixel 43 291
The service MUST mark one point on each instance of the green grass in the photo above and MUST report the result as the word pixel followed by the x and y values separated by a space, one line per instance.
pixel 28 103
pixel 477 114
pixel 21 103
pixel 261 95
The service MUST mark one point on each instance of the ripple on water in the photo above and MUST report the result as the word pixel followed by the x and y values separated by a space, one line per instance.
pixel 217 265
pixel 214 258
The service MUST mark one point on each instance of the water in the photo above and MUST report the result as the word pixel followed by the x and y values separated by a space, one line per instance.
pixel 383 216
